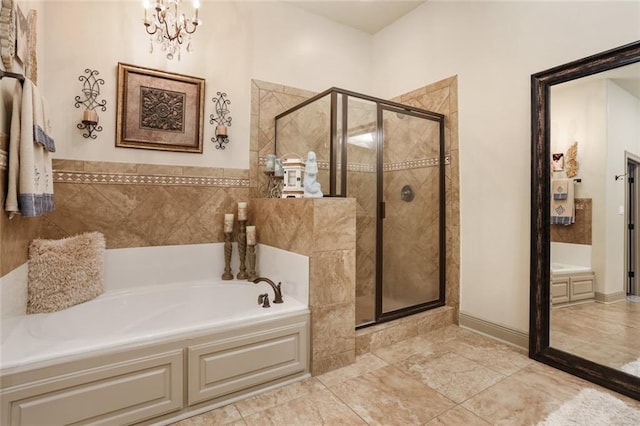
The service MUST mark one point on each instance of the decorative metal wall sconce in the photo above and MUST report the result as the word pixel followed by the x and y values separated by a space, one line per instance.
pixel 221 119
pixel 619 177
pixel 91 91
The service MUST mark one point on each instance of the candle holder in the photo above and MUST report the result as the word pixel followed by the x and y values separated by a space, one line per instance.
pixel 91 91
pixel 251 258
pixel 221 120
pixel 242 249
pixel 274 185
pixel 228 249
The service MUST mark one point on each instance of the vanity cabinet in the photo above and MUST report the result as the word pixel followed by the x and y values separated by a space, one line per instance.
pixel 572 287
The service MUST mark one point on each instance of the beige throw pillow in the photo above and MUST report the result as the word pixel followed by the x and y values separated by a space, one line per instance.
pixel 65 272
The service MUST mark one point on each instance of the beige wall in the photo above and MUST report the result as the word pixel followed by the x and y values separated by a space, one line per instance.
pixel 493 48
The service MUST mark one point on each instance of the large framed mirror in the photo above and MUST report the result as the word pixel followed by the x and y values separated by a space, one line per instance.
pixel 585 312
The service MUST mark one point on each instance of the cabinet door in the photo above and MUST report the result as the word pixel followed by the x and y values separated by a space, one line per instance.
pixel 119 393
pixel 582 287
pixel 560 290
pixel 228 365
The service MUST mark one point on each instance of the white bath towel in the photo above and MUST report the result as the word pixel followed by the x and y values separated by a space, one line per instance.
pixel 562 208
pixel 30 186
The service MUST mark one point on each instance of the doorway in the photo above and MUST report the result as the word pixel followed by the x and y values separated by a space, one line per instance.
pixel 632 260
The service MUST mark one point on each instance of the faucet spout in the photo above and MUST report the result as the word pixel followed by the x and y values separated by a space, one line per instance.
pixel 276 288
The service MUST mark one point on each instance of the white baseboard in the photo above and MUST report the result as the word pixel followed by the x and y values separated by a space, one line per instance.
pixel 497 331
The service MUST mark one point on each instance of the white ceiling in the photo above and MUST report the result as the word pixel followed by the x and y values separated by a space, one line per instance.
pixel 369 16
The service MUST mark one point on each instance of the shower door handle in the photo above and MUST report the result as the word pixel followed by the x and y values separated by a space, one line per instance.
pixel 383 212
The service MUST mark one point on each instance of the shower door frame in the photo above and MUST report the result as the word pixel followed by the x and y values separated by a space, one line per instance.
pixel 381 316
pixel 381 105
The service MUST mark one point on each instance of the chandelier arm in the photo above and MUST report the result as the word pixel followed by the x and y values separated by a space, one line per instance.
pixel 169 26
pixel 155 29
pixel 186 27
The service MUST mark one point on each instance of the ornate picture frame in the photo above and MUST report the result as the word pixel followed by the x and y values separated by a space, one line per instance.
pixel 159 110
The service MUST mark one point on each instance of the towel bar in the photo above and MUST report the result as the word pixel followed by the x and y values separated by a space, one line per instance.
pixel 19 77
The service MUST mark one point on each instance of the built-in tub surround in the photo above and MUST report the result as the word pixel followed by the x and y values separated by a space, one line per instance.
pixel 572 279
pixel 578 255
pixel 129 367
pixel 142 267
pixel 324 230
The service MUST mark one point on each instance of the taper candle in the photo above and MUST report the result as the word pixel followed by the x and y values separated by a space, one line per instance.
pixel 251 235
pixel 242 210
pixel 228 222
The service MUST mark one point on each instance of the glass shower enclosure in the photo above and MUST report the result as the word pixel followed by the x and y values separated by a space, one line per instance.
pixel 390 157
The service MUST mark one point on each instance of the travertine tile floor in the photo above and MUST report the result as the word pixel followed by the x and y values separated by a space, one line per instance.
pixel 447 377
pixel 608 334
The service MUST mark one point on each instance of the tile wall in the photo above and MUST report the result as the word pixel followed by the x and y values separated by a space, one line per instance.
pixel 267 101
pixel 578 232
pixel 324 229
pixel 442 97
pixel 137 205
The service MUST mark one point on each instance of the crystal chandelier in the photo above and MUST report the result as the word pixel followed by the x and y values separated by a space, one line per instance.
pixel 168 26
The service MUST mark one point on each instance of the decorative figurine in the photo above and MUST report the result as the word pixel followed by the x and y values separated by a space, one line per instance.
pixel 311 185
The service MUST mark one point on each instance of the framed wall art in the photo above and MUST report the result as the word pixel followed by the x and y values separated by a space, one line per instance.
pixel 159 110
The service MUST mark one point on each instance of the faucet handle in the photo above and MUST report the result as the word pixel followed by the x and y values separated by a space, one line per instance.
pixel 263 300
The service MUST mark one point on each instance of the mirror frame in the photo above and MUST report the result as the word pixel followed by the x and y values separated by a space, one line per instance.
pixel 540 275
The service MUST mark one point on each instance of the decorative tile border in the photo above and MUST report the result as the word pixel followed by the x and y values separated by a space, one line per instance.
pixel 416 164
pixel 371 168
pixel 134 179
pixel 4 159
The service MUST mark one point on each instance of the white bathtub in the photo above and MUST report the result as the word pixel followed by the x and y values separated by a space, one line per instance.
pixel 150 354
pixel 166 340
pixel 144 314
pixel 563 268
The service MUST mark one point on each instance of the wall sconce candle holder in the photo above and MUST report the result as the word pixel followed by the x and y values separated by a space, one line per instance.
pixel 91 90
pixel 221 120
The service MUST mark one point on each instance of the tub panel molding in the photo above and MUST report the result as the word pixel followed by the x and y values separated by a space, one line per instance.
pixel 572 287
pixel 120 393
pixel 222 366
pixel 163 381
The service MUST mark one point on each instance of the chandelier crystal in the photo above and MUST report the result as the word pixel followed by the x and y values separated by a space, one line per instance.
pixel 169 27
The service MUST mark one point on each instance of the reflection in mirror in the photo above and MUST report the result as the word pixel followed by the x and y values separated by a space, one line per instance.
pixel 594 136
pixel 585 309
